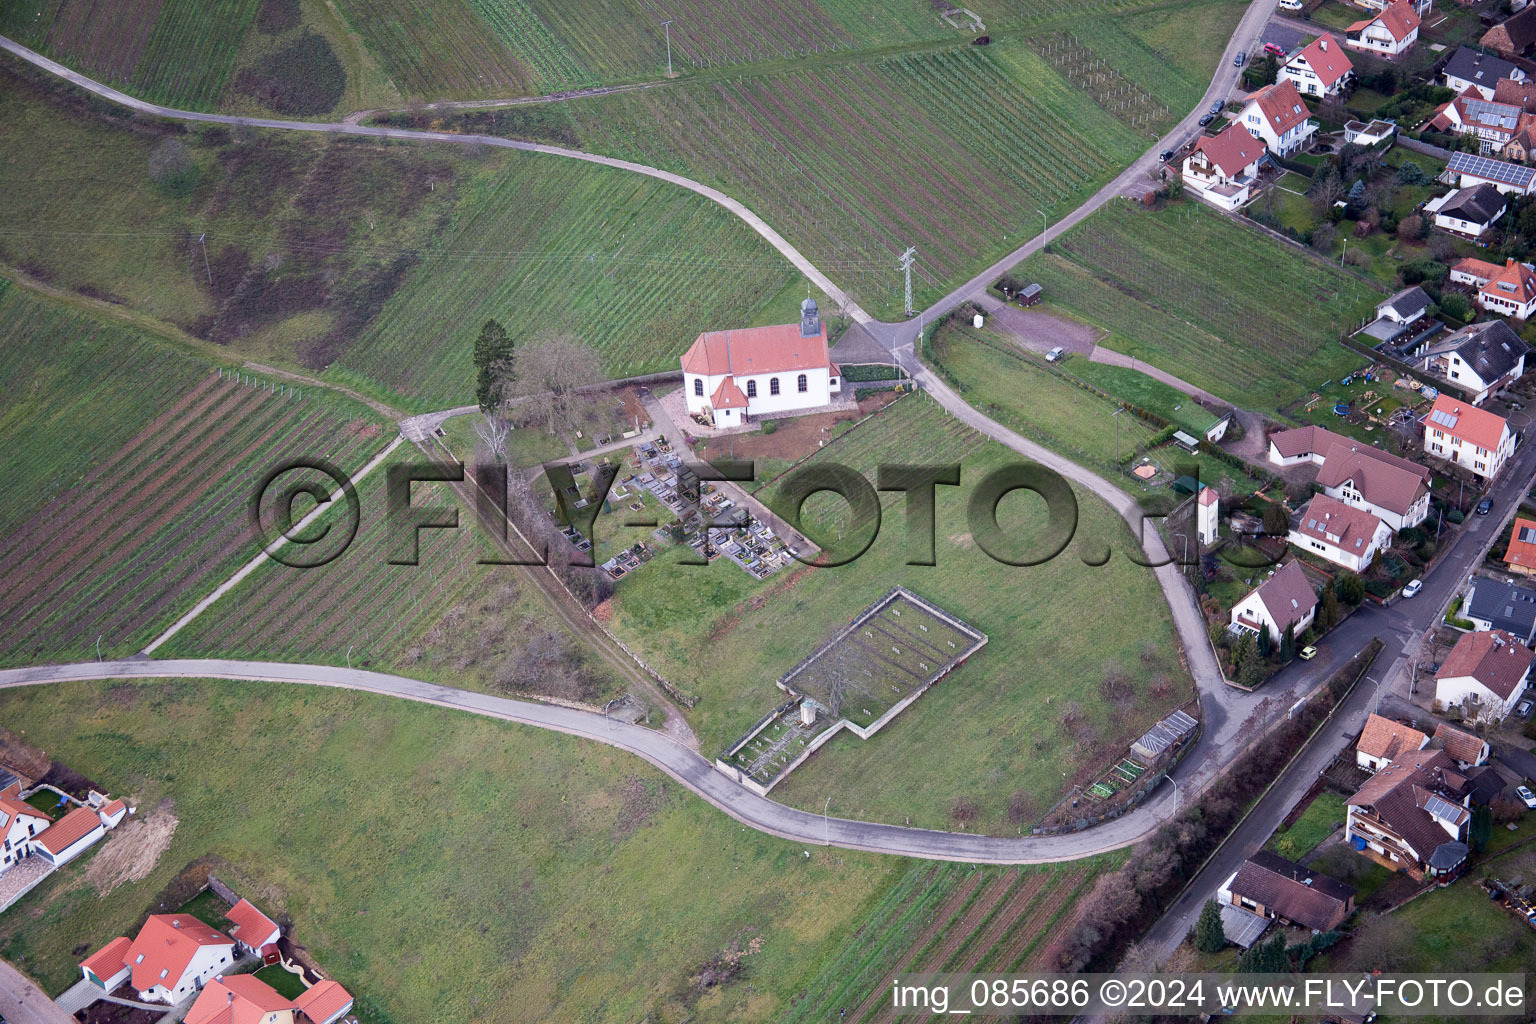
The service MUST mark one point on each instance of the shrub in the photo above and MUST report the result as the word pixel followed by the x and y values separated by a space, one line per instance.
pixel 277 16
pixel 303 77
pixel 769 426
pixel 962 809
pixel 1455 304
pixel 172 168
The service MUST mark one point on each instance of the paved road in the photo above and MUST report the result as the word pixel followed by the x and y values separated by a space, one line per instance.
pixel 1399 627
pixel 22 1002
pixel 683 764
pixel 756 223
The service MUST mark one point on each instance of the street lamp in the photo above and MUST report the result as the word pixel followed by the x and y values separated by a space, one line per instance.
pixel 668 26
pixel 349 657
pixel 825 824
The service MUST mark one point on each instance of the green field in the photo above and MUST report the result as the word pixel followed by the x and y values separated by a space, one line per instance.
pixel 1259 329
pixel 1047 404
pixel 130 466
pixel 441 866
pixel 387 258
pixel 1016 717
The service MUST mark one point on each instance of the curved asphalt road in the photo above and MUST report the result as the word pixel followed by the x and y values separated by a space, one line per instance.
pixel 687 766
pixel 1224 709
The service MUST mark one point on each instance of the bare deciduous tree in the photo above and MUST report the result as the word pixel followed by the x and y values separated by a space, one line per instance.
pixel 492 431
pixel 549 371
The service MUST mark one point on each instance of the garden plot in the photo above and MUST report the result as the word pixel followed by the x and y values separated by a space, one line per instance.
pixel 860 679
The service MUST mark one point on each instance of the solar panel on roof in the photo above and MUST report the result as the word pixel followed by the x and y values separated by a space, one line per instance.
pixel 1494 170
pixel 1442 809
pixel 1443 418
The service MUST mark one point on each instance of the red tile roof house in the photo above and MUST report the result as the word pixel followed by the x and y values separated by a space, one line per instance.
pixel 1472 438
pixel 254 931
pixel 1222 169
pixel 70 836
pixel 1388 486
pixel 1467 750
pixel 1412 817
pixel 1390 34
pixel 1520 556
pixel 244 999
pixel 1268 885
pixel 1382 740
pixel 1339 533
pixel 172 957
pixel 1487 120
pixel 1277 116
pixel 1285 599
pixel 730 377
pixel 1485 675
pixel 1509 290
pixel 20 823
pixel 1321 68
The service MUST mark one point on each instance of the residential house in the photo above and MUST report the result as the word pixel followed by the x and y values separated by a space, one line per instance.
pixel 1285 599
pixel 1321 68
pixel 69 837
pixel 1392 488
pixel 245 999
pixel 1514 37
pixel 1468 169
pixel 1472 69
pixel 730 377
pixel 1340 533
pixel 1516 92
pixel 324 1002
pixel 1493 604
pixel 1362 133
pixel 1472 438
pixel 112 812
pixel 1484 676
pixel 1468 212
pixel 1492 123
pixel 1467 750
pixel 1391 33
pixel 1509 290
pixel 1270 886
pixel 253 931
pixel 1222 169
pixel 1207 515
pixel 1411 816
pixel 1277 116
pixel 1480 358
pixel 1520 555
pixel 20 823
pixel 173 956
pixel 240 999
pixel 1384 740
pixel 1405 307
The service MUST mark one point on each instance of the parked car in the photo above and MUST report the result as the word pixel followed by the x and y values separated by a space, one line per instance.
pixel 1523 709
pixel 1308 653
pixel 1055 354
pixel 1216 107
pixel 1237 61
pixel 1413 587
pixel 1524 793
pixel 1207 119
pixel 1165 156
pixel 1274 48
pixel 1485 506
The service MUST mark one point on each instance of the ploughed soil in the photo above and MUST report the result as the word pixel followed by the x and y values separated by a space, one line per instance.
pixel 799 436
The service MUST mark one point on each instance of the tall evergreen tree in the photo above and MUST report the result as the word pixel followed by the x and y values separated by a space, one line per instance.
pixel 1288 643
pixel 1209 936
pixel 493 364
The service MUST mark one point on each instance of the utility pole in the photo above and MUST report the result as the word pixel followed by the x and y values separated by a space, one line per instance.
pixel 905 266
pixel 597 297
pixel 203 240
pixel 668 26
pixel 1116 417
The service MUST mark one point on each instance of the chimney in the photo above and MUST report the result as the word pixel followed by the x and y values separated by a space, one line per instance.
pixel 175 922
pixel 1322 44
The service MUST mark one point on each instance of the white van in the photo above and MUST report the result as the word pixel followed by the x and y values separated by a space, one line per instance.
pixel 1290 5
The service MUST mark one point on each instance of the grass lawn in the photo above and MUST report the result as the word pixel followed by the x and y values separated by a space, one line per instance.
pixel 208 908
pixel 440 865
pixel 1256 331
pixel 284 982
pixel 995 725
pixel 1315 824
pixel 1042 402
